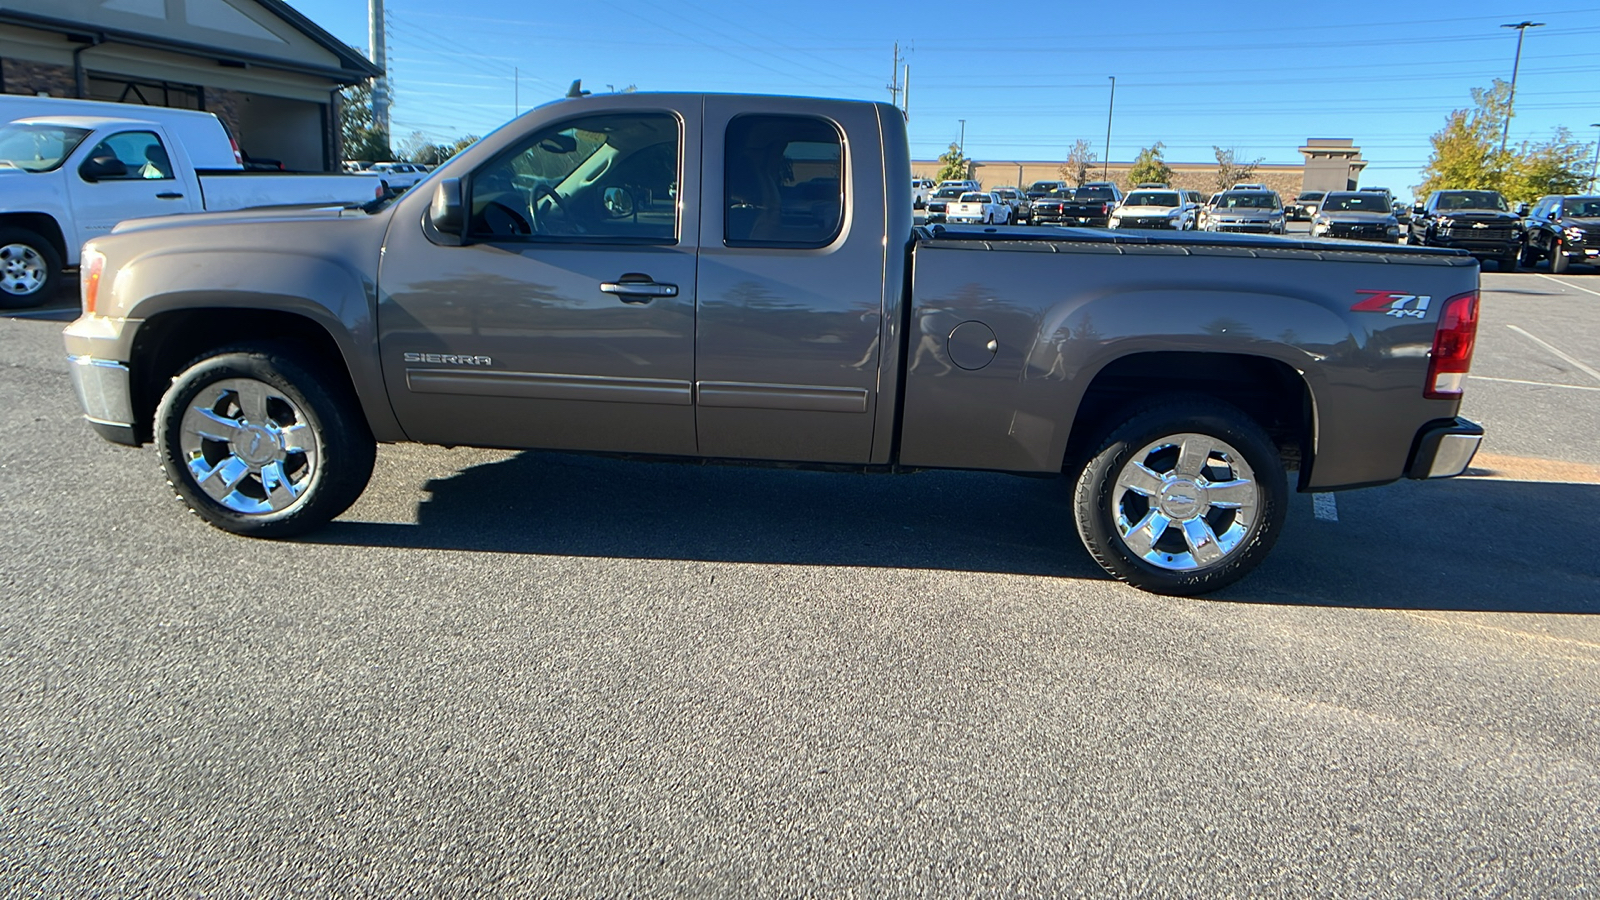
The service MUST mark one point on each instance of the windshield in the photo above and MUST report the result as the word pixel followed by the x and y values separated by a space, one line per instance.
pixel 1095 193
pixel 1246 201
pixel 1007 194
pixel 1046 186
pixel 1364 202
pixel 1472 200
pixel 974 198
pixel 1152 198
pixel 946 193
pixel 38 148
pixel 1582 207
pixel 1311 195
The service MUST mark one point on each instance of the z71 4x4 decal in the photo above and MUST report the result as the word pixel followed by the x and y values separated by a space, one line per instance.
pixel 1394 303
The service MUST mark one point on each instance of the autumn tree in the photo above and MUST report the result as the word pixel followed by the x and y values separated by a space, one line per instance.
pixel 1555 166
pixel 1080 161
pixel 1230 171
pixel 1466 153
pixel 1150 167
pixel 954 165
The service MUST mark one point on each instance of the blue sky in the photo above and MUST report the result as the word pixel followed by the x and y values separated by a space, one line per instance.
pixel 1259 78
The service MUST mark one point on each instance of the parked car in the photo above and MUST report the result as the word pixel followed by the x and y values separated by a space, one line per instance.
pixel 67 179
pixel 474 314
pixel 1305 206
pixel 397 176
pixel 1479 222
pixel 921 190
pixel 940 202
pixel 1042 188
pixel 1207 207
pixel 1166 209
pixel 1021 207
pixel 1249 210
pixel 966 184
pixel 1050 208
pixel 979 208
pixel 1357 215
pixel 1091 204
pixel 1564 229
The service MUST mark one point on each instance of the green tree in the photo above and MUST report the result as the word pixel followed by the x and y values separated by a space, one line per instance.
pixel 1148 166
pixel 953 164
pixel 1230 171
pixel 1556 166
pixel 1466 153
pixel 1080 161
pixel 362 139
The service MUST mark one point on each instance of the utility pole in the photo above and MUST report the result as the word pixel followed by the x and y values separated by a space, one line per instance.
pixel 961 148
pixel 1522 29
pixel 1594 166
pixel 905 93
pixel 894 77
pixel 1105 172
pixel 380 58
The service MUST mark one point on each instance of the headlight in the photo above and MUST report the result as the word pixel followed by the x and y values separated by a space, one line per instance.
pixel 1573 233
pixel 1446 221
pixel 1394 229
pixel 1324 221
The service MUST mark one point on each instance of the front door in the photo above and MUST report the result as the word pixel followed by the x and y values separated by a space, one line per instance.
pixel 128 175
pixel 566 319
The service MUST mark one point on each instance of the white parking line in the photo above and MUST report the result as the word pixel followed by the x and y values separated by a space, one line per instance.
pixel 1570 387
pixel 1585 369
pixel 1324 507
pixel 1565 284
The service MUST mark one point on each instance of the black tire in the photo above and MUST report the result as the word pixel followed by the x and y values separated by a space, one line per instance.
pixel 1249 532
pixel 1560 262
pixel 1508 263
pixel 1529 255
pixel 28 252
pixel 301 405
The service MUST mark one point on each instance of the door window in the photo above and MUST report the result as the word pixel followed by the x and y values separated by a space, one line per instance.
pixel 140 154
pixel 783 182
pixel 599 179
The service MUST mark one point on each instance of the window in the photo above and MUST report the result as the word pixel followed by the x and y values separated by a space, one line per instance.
pixel 140 154
pixel 783 181
pixel 599 179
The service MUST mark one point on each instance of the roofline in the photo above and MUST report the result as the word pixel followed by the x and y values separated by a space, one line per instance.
pixel 358 68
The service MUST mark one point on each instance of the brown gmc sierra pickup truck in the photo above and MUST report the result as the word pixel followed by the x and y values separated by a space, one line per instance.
pixel 738 278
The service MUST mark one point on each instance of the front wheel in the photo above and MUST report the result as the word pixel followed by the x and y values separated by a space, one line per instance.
pixel 30 269
pixel 1508 262
pixel 1185 497
pixel 1559 261
pixel 1530 255
pixel 260 442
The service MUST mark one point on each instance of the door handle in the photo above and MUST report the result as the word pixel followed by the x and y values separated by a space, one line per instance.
pixel 169 195
pixel 635 288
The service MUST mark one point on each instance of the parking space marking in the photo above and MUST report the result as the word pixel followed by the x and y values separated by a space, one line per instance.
pixel 1570 387
pixel 1570 360
pixel 1565 284
pixel 1324 507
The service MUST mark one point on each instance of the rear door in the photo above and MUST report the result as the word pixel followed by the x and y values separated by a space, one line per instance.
pixel 791 286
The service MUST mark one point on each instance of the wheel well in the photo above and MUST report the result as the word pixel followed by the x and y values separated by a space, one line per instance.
pixel 168 342
pixel 1270 392
pixel 42 224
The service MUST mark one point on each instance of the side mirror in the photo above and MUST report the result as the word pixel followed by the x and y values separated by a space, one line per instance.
pixel 1418 210
pixel 444 213
pixel 102 167
pixel 619 203
pixel 1522 209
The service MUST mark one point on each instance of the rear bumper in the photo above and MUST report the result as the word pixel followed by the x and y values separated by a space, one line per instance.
pixel 1444 448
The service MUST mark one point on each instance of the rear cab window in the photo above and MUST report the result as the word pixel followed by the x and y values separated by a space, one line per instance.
pixel 783 182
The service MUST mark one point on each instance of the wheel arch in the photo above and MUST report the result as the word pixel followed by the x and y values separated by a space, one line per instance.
pixel 169 340
pixel 42 224
pixel 1270 391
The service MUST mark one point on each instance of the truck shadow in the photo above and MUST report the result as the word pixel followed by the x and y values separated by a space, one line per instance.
pixel 1467 544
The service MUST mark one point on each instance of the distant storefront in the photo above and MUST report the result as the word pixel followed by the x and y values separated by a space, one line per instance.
pixel 268 72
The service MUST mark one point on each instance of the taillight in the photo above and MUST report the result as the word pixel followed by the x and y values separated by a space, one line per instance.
pixel 1452 347
pixel 90 264
pixel 237 156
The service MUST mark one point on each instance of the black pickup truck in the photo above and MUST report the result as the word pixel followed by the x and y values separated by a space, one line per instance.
pixel 1479 222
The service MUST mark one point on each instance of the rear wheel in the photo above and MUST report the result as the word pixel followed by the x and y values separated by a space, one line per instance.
pixel 1183 498
pixel 260 442
pixel 30 269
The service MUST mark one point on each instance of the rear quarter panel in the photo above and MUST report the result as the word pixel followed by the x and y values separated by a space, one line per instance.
pixel 1062 312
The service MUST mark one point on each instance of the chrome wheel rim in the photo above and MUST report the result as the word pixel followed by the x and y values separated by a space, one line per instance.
pixel 22 270
pixel 1185 502
pixel 248 447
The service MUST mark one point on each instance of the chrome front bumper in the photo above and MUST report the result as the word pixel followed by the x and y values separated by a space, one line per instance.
pixel 105 394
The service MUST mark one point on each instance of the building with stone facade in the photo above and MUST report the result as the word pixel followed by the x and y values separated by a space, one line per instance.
pixel 269 73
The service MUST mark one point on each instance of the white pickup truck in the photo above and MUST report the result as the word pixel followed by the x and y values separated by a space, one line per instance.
pixel 65 179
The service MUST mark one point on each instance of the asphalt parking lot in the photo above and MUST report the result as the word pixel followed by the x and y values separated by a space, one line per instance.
pixel 542 674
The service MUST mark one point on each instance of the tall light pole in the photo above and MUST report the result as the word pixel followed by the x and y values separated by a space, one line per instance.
pixel 961 148
pixel 1522 29
pixel 1594 166
pixel 1105 171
